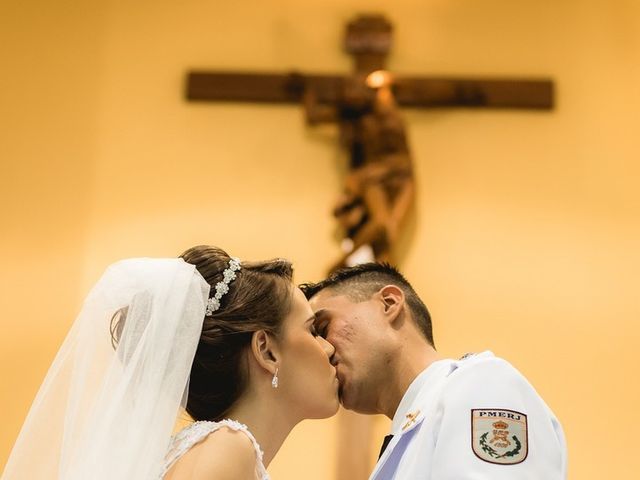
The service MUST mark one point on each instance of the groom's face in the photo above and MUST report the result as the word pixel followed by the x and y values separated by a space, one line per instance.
pixel 357 332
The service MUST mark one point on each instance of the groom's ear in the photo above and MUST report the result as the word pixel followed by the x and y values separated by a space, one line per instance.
pixel 393 300
pixel 264 350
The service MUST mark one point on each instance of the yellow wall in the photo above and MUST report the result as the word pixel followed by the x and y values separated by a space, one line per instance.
pixel 525 235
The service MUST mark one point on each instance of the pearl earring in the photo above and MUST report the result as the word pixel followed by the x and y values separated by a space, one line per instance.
pixel 274 380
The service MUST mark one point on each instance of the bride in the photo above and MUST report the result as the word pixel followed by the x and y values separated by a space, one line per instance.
pixel 232 343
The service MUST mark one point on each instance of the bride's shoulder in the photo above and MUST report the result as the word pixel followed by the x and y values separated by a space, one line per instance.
pixel 225 451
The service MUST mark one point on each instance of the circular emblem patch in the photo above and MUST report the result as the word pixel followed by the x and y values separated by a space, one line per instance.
pixel 499 436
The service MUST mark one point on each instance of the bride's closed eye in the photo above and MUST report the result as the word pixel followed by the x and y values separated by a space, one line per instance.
pixel 320 329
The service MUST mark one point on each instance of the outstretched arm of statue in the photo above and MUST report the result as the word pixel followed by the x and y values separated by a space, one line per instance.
pixel 315 111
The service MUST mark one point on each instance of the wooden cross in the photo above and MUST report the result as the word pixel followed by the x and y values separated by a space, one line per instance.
pixel 379 188
pixel 368 39
pixel 378 192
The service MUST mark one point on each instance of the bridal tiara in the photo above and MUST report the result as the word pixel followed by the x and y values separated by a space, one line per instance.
pixel 222 287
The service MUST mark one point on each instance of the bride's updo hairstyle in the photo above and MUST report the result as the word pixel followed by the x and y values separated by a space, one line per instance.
pixel 258 299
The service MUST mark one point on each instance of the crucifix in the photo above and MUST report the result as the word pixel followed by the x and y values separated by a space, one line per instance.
pixel 378 190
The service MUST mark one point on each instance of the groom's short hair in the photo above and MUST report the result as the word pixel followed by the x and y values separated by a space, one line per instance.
pixel 358 283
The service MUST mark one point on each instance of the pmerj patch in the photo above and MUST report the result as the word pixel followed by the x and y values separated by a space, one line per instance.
pixel 499 436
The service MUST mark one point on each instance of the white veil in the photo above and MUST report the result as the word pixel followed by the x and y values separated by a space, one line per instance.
pixel 108 414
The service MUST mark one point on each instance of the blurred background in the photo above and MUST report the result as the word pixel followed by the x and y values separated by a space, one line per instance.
pixel 525 235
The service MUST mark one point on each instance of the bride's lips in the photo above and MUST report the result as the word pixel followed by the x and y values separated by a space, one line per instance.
pixel 340 381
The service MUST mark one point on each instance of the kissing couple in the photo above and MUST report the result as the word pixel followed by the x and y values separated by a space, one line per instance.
pixel 248 354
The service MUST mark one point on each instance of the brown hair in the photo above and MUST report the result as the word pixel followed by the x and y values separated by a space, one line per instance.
pixel 258 299
pixel 360 282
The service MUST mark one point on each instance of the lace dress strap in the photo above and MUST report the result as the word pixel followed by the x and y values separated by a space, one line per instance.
pixel 195 433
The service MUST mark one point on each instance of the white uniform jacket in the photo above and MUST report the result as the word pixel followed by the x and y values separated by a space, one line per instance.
pixel 478 419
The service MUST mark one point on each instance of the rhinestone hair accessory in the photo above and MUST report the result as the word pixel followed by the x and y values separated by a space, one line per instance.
pixel 222 286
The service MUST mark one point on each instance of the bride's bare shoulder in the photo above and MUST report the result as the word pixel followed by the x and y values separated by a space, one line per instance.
pixel 225 454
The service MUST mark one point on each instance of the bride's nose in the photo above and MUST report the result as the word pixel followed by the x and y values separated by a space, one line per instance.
pixel 327 347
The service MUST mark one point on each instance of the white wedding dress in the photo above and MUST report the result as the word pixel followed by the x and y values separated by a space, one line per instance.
pixel 195 433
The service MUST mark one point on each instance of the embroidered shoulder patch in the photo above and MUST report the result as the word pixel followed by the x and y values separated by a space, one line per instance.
pixel 499 436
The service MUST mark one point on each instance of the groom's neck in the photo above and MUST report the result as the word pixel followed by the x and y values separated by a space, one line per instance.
pixel 410 361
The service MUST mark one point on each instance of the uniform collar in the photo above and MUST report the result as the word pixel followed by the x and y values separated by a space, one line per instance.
pixel 406 414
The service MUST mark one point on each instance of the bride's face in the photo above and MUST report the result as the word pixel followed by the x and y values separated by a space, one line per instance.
pixel 306 377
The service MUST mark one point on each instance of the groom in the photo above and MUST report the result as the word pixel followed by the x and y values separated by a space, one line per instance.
pixel 476 417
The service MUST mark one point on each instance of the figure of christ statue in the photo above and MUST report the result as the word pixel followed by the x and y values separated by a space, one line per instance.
pixel 379 188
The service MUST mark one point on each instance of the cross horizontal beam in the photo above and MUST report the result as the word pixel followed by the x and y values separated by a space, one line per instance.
pixel 419 92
